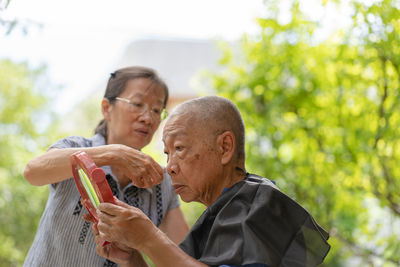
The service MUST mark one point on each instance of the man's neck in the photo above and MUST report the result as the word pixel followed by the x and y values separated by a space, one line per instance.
pixel 231 176
pixel 237 175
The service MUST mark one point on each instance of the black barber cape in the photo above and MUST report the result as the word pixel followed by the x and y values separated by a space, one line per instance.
pixel 254 222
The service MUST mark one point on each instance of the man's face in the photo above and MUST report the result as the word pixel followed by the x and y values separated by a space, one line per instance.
pixel 193 161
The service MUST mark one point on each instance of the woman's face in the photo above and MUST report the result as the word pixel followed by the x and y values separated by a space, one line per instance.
pixel 134 123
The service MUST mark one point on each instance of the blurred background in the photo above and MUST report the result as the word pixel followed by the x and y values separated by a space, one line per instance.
pixel 317 82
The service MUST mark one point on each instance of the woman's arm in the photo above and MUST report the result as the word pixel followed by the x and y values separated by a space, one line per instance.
pixel 174 225
pixel 54 166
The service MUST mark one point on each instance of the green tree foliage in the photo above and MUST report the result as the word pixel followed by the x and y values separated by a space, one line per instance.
pixel 322 119
pixel 21 204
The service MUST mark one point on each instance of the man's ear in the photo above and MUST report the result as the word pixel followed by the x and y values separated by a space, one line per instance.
pixel 226 146
pixel 106 108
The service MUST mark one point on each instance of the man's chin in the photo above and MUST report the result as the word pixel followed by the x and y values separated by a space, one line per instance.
pixel 187 197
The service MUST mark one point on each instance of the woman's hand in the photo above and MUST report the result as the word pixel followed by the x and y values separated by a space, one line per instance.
pixel 136 166
pixel 125 224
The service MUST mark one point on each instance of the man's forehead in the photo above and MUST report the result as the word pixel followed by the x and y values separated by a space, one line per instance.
pixel 173 133
pixel 175 126
pixel 178 120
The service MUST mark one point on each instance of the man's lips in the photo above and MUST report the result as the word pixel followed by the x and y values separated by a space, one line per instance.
pixel 178 188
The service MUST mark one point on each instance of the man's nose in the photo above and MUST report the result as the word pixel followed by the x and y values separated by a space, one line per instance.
pixel 172 168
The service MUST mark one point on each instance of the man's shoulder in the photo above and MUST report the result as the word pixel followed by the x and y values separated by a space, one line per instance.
pixel 252 184
pixel 254 178
pixel 253 221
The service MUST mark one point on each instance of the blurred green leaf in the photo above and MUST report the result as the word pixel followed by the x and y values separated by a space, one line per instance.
pixel 21 204
pixel 322 118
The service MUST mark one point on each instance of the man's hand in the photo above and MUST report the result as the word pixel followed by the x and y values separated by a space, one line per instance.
pixel 125 224
pixel 129 226
pixel 114 251
pixel 118 253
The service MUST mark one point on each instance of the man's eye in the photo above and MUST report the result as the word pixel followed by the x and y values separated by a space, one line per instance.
pixel 178 148
pixel 156 110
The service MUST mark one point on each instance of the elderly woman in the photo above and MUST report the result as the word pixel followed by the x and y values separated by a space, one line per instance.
pixel 132 105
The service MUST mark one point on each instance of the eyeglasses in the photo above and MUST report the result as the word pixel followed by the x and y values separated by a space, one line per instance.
pixel 138 107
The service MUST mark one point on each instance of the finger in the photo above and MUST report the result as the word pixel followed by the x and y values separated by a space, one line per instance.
pixel 103 236
pixel 156 172
pixel 94 229
pixel 149 178
pixel 147 182
pixel 105 218
pixel 126 206
pixel 104 232
pixel 98 240
pixel 109 209
pixel 142 175
pixel 122 204
pixel 147 168
pixel 119 202
pixel 137 181
pixel 149 161
pixel 100 249
pixel 159 169
pixel 138 164
pixel 89 218
pixel 135 172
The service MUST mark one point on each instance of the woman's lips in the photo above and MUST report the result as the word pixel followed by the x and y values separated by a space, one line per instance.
pixel 143 132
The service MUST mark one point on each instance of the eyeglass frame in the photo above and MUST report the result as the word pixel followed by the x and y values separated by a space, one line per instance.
pixel 163 113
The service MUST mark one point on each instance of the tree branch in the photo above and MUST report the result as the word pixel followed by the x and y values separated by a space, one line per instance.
pixel 389 181
pixel 381 106
pixel 364 252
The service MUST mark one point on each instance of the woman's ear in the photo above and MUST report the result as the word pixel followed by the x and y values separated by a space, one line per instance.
pixel 106 109
pixel 226 146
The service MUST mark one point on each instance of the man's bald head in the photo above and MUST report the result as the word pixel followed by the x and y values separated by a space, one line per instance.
pixel 215 115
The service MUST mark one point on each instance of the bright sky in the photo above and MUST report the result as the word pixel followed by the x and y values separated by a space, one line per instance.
pixel 79 41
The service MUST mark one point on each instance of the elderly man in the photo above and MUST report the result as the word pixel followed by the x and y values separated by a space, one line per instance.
pixel 248 221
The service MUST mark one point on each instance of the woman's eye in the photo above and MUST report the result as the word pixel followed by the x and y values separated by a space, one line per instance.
pixel 156 111
pixel 178 148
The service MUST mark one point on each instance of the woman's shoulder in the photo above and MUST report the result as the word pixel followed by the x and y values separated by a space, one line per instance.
pixel 78 141
pixel 166 182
